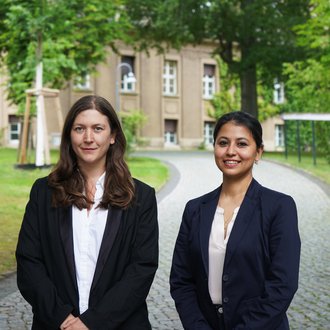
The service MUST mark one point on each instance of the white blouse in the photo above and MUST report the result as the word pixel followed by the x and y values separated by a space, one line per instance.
pixel 217 252
pixel 88 230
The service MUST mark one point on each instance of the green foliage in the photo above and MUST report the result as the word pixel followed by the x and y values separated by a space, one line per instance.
pixel 322 134
pixel 228 99
pixel 308 86
pixel 308 82
pixel 248 35
pixel 266 105
pixel 132 122
pixel 73 36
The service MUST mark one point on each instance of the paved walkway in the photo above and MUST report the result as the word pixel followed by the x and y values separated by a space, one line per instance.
pixel 194 174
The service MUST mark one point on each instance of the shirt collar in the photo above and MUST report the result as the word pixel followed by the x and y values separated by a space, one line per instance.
pixel 100 187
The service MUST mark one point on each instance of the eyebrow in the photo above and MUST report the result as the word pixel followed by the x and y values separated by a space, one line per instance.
pixel 97 124
pixel 240 138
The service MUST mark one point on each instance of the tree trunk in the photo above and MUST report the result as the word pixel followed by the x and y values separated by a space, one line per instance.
pixel 248 81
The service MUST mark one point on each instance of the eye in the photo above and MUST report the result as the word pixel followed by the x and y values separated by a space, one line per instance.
pixel 223 143
pixel 242 144
pixel 98 129
pixel 79 129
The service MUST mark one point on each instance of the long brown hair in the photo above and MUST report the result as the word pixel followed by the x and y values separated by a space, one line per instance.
pixel 66 179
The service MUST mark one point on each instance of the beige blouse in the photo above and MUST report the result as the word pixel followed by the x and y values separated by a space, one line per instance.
pixel 217 252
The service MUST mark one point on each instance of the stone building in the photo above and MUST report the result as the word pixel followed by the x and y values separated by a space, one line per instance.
pixel 173 90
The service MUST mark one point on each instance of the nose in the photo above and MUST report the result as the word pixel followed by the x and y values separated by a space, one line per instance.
pixel 88 137
pixel 231 149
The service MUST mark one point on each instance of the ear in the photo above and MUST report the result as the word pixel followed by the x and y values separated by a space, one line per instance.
pixel 112 138
pixel 259 153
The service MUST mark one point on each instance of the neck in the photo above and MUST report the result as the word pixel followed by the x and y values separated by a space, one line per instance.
pixel 233 188
pixel 91 173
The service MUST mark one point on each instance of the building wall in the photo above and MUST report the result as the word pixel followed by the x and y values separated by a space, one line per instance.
pixel 188 109
pixel 269 133
pixel 6 109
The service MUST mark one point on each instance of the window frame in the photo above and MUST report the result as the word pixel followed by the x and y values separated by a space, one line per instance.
pixel 127 86
pixel 279 136
pixel 209 82
pixel 170 85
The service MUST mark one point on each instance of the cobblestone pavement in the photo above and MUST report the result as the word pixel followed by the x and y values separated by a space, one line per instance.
pixel 194 174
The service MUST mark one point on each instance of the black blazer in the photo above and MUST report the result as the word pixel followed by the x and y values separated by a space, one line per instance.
pixel 125 269
pixel 260 274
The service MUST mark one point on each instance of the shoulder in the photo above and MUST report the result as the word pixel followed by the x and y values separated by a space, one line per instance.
pixel 40 191
pixel 142 186
pixel 268 194
pixel 41 184
pixel 275 202
pixel 203 199
pixel 143 190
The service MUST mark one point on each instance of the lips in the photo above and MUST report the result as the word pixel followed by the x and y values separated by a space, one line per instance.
pixel 231 163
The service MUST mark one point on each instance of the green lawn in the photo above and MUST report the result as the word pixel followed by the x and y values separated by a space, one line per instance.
pixel 321 170
pixel 15 185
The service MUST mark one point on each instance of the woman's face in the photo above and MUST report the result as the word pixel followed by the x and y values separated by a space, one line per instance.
pixel 91 138
pixel 235 150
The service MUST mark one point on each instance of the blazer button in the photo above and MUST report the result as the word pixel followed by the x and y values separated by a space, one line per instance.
pixel 225 299
pixel 225 278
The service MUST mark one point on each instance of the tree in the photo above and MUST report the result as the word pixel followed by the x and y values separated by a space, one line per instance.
pixel 132 122
pixel 71 38
pixel 308 81
pixel 247 34
pixel 228 98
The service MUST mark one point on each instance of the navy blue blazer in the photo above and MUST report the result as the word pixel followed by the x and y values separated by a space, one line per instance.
pixel 125 268
pixel 260 275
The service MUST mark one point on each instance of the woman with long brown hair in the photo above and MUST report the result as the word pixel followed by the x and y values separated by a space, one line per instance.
pixel 88 246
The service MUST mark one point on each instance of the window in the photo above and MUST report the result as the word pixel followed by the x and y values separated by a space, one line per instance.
pixel 279 135
pixel 127 74
pixel 278 92
pixel 208 133
pixel 14 129
pixel 170 132
pixel 83 82
pixel 169 78
pixel 208 81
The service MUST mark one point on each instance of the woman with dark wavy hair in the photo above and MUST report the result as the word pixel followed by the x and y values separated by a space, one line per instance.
pixel 87 250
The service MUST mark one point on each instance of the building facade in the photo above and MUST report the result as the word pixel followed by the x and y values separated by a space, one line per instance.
pixel 173 90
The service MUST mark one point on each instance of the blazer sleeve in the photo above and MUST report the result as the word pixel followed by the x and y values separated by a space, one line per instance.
pixel 182 283
pixel 130 292
pixel 268 310
pixel 32 279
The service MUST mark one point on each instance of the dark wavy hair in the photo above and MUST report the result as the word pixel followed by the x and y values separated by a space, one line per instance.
pixel 66 179
pixel 241 118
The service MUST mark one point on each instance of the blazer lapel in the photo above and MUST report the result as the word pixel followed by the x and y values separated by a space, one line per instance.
pixel 65 220
pixel 110 233
pixel 243 219
pixel 206 218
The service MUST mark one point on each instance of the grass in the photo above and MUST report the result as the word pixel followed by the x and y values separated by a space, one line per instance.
pixel 15 185
pixel 321 170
